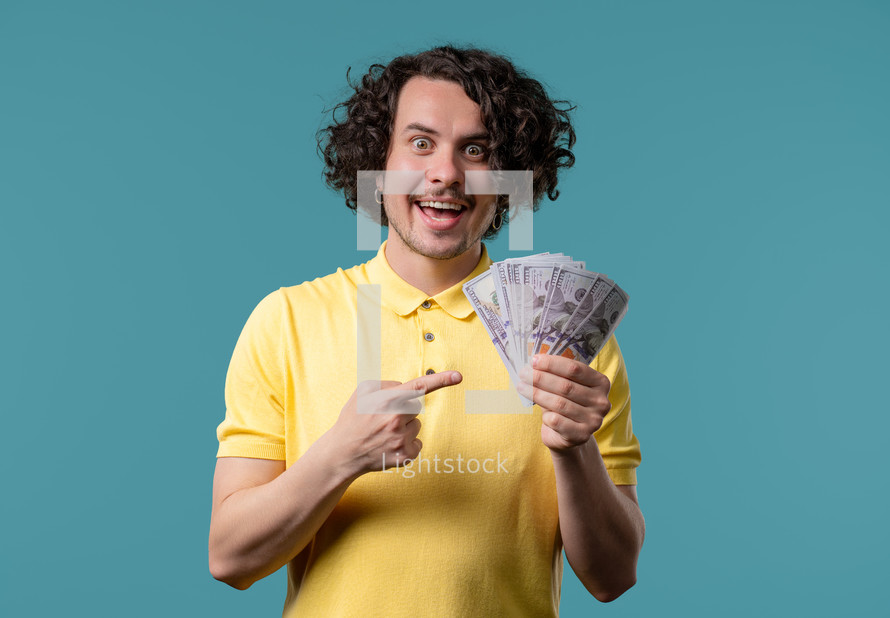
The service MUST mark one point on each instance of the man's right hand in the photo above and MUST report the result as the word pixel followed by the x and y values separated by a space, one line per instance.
pixel 264 515
pixel 378 426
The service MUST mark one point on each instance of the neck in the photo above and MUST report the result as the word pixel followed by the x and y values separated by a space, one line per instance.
pixel 430 275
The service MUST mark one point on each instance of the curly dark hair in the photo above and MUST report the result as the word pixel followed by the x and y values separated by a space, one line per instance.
pixel 527 130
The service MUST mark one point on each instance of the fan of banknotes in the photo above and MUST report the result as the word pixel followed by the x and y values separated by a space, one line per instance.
pixel 545 304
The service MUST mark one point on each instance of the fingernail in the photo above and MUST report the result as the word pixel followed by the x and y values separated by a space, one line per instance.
pixel 534 361
pixel 525 374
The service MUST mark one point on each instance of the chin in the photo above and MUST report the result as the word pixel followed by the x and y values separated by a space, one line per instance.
pixel 438 245
pixel 440 252
pixel 439 248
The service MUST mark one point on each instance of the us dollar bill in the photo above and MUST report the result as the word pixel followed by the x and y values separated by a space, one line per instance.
pixel 535 277
pixel 594 330
pixel 568 287
pixel 596 292
pixel 505 289
pixel 483 296
pixel 545 303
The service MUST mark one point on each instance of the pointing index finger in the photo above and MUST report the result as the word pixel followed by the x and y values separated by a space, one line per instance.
pixel 432 382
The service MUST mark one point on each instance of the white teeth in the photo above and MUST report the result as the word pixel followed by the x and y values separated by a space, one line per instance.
pixel 441 205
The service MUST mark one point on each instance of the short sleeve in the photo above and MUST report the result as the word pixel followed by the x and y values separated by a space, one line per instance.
pixel 616 440
pixel 254 391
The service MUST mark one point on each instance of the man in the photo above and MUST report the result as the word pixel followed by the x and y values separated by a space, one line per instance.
pixel 306 479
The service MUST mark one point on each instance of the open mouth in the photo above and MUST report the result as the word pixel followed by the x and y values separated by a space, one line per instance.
pixel 441 211
pixel 440 216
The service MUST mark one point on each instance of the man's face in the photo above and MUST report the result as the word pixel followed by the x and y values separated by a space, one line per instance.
pixel 438 130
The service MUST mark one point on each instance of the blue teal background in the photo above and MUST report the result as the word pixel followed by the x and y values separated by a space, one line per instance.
pixel 158 177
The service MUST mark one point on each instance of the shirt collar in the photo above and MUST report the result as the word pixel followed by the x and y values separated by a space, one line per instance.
pixel 404 299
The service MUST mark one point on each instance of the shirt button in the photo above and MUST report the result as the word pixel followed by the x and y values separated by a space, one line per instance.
pixel 430 372
pixel 426 304
pixel 429 336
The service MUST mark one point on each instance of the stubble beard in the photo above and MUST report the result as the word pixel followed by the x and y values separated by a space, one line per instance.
pixel 411 239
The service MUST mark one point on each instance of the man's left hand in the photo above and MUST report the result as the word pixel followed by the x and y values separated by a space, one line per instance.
pixel 574 398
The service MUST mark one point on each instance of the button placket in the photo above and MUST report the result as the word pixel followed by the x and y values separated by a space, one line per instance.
pixel 427 320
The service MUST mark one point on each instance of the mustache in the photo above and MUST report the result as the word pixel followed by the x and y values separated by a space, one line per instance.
pixel 452 192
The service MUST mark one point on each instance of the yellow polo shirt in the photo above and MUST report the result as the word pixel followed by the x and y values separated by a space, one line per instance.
pixel 468 529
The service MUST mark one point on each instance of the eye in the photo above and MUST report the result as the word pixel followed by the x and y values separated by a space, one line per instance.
pixel 421 143
pixel 474 150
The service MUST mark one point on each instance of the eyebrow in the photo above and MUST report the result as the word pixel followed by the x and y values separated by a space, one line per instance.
pixel 416 126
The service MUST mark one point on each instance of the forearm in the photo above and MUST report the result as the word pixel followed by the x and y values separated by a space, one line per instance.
pixel 602 528
pixel 257 530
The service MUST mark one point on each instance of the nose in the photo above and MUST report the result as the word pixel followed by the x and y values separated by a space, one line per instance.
pixel 444 170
